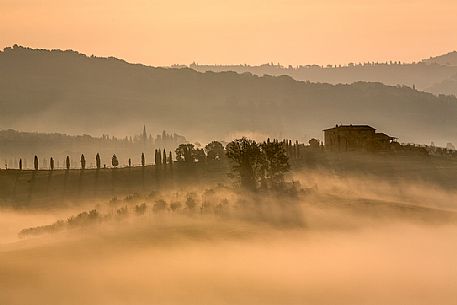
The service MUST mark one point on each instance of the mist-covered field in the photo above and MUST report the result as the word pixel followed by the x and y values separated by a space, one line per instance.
pixel 328 240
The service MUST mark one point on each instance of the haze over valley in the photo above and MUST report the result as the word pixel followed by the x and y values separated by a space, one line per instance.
pixel 228 152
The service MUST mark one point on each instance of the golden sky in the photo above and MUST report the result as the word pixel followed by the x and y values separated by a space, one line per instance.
pixel 235 31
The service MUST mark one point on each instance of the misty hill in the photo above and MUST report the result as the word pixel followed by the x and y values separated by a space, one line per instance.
pixel 64 90
pixel 449 59
pixel 423 76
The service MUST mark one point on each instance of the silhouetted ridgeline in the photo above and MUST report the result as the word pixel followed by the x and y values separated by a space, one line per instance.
pixel 64 90
pixel 437 74
pixel 449 59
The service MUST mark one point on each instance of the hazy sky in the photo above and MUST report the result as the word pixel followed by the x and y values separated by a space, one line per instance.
pixel 235 31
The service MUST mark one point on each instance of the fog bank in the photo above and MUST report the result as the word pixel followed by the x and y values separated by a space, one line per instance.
pixel 337 241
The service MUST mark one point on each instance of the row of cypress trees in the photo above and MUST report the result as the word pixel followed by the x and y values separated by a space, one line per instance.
pixel 159 160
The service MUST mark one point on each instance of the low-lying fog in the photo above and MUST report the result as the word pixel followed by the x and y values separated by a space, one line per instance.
pixel 351 240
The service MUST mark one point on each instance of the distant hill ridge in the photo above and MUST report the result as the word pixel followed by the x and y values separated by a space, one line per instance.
pixel 449 59
pixel 71 92
pixel 428 75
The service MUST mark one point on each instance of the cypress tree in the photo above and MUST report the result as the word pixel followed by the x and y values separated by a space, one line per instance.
pixel 164 159
pixel 170 159
pixel 83 162
pixel 20 164
pixel 35 163
pixel 130 162
pixel 98 165
pixel 157 157
pixel 114 161
pixel 142 169
pixel 98 162
pixel 67 162
pixel 51 163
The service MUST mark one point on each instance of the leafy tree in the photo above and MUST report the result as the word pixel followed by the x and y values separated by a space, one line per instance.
pixel 51 163
pixel 215 150
pixel 67 162
pixel 248 159
pixel 83 162
pixel 185 153
pixel 35 163
pixel 142 160
pixel 114 161
pixel 277 161
pixel 98 162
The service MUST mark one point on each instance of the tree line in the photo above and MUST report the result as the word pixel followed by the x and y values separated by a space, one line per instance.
pixel 253 164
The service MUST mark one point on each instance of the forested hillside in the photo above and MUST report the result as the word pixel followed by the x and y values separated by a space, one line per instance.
pixel 66 91
pixel 426 75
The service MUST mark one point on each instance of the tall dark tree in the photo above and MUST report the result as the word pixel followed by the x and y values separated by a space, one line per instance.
pixel 157 157
pixel 215 150
pixel 170 159
pixel 143 163
pixel 83 162
pixel 20 164
pixel 114 161
pixel 51 163
pixel 130 162
pixel 248 161
pixel 67 162
pixel 35 163
pixel 98 161
pixel 164 157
